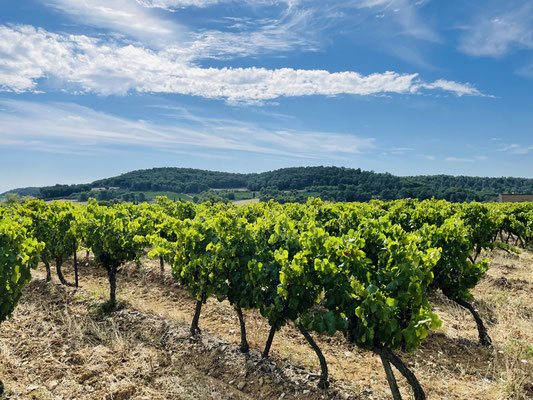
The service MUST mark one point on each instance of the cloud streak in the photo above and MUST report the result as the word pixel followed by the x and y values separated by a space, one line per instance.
pixel 121 16
pixel 496 32
pixel 174 4
pixel 516 149
pixel 404 13
pixel 70 128
pixel 79 63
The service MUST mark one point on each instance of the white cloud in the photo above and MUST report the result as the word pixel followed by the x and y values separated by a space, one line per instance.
pixel 81 63
pixel 70 128
pixel 249 37
pixel 526 71
pixel 495 32
pixel 400 150
pixel 275 25
pixel 173 4
pixel 121 16
pixel 460 89
pixel 459 159
pixel 286 29
pixel 272 26
pixel 515 148
pixel 404 13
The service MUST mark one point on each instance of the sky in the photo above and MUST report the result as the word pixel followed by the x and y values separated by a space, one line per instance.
pixel 93 88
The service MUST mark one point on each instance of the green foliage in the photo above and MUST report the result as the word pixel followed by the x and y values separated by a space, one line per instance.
pixel 18 255
pixel 10 199
pixel 363 269
pixel 298 184
pixel 53 224
pixel 115 234
pixel 110 232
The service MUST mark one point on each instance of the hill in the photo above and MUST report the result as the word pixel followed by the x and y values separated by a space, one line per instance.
pixel 288 184
pixel 27 191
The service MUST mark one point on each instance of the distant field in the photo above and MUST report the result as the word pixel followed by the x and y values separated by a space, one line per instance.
pixel 240 194
pixel 170 195
pixel 243 202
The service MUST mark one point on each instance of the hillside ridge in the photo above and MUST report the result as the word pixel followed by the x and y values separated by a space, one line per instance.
pixel 327 182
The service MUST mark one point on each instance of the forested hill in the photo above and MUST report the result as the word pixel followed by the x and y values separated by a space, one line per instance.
pixel 296 184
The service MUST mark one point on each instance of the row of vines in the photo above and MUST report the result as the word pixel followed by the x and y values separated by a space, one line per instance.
pixel 362 269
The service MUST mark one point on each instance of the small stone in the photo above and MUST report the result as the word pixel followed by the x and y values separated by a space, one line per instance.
pixel 53 384
pixel 348 354
pixel 306 391
pixel 241 385
pixel 31 388
pixel 261 381
pixel 281 396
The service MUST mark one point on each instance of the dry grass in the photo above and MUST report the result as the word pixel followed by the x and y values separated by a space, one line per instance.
pixel 65 348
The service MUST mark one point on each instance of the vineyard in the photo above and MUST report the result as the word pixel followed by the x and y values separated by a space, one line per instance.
pixel 371 277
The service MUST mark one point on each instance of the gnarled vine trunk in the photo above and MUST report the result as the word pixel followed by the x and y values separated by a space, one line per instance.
pixel 484 337
pixel 59 263
pixel 48 273
pixel 388 357
pixel 112 277
pixel 269 342
pixel 244 342
pixel 195 329
pixel 75 264
pixel 323 382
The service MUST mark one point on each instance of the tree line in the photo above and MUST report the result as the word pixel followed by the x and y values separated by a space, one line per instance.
pixel 298 184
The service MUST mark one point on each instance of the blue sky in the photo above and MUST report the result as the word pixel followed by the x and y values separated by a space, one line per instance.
pixel 94 88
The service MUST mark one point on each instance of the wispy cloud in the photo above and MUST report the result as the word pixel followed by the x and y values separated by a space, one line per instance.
pixel 70 128
pixel 292 30
pixel 497 30
pixel 460 159
pixel 122 16
pixel 515 148
pixel 174 4
pixel 271 26
pixel 404 13
pixel 395 27
pixel 284 28
pixel 81 63
pixel 460 89
pixel 171 5
pixel 400 150
pixel 526 71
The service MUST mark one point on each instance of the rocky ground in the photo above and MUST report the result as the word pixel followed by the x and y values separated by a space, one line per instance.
pixel 60 344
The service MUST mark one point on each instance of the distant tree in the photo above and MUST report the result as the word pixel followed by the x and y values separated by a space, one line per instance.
pixel 84 196
pixel 11 199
